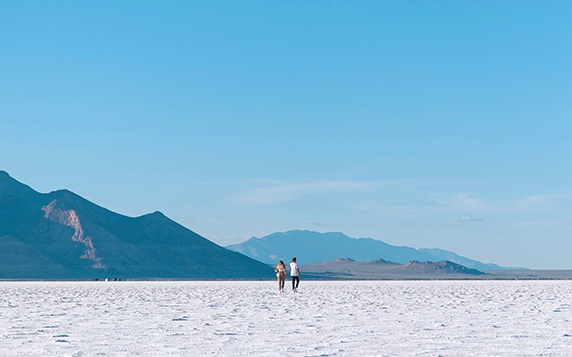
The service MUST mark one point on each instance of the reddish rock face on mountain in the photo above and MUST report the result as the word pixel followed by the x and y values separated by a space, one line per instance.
pixel 60 235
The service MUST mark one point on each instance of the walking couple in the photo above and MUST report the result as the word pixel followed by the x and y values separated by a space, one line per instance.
pixel 281 274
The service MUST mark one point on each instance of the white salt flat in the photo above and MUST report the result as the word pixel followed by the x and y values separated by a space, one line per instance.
pixel 330 318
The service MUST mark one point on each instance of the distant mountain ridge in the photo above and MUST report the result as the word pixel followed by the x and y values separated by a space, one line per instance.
pixel 60 235
pixel 313 247
pixel 345 268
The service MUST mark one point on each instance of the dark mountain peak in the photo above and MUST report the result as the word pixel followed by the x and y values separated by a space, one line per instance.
pixel 158 219
pixel 63 193
pixel 160 216
pixel 67 196
pixel 10 187
pixel 63 235
pixel 67 200
pixel 155 216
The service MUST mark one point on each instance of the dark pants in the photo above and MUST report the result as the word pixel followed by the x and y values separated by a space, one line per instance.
pixel 295 282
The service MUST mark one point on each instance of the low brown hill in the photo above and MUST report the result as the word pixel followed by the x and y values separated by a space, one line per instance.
pixel 344 268
pixel 444 267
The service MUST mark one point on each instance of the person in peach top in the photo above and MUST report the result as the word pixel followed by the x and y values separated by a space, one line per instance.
pixel 281 274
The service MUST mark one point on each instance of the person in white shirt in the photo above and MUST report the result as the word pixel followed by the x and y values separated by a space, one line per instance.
pixel 295 274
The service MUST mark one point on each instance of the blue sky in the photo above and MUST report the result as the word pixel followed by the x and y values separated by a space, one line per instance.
pixel 426 124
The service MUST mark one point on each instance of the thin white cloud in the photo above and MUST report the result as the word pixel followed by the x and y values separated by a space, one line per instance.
pixel 463 219
pixel 285 192
pixel 465 202
pixel 221 240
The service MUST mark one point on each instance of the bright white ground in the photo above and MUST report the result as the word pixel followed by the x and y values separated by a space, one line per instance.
pixel 369 318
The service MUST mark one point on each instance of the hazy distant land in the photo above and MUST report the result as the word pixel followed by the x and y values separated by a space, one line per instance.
pixel 347 269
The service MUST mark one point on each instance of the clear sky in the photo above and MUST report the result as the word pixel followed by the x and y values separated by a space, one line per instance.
pixel 426 124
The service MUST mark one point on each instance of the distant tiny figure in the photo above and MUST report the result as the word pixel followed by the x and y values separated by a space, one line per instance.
pixel 295 274
pixel 281 274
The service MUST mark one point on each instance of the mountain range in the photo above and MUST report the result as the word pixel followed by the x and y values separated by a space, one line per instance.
pixel 313 247
pixel 60 235
pixel 345 268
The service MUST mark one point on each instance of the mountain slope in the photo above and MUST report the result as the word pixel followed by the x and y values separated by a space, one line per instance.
pixel 17 259
pixel 78 239
pixel 312 247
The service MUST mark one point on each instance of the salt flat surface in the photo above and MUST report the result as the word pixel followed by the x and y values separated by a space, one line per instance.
pixel 369 318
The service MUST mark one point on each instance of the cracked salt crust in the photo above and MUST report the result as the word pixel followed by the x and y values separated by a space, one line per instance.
pixel 335 318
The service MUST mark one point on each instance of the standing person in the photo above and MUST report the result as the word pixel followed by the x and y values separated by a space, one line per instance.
pixel 281 274
pixel 295 274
